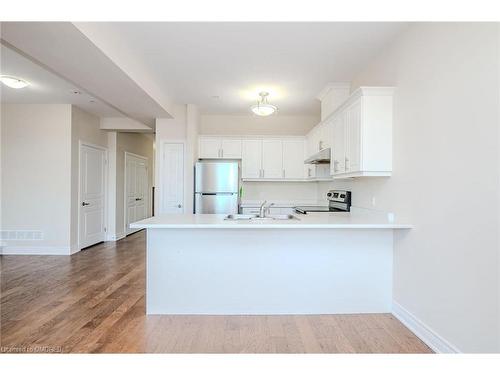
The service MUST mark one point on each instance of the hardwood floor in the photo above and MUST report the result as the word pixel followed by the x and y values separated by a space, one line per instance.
pixel 93 302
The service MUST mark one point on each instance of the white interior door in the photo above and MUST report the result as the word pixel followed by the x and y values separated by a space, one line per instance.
pixel 172 178
pixel 136 190
pixel 92 195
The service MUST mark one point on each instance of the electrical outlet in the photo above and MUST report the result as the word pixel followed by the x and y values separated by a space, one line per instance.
pixel 374 202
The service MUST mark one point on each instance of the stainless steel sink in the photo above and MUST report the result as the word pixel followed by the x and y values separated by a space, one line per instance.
pixel 239 217
pixel 257 218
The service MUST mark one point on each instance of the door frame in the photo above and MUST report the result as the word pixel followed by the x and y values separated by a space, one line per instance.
pixel 125 210
pixel 106 174
pixel 161 174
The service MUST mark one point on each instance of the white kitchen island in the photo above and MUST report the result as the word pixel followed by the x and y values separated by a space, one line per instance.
pixel 320 264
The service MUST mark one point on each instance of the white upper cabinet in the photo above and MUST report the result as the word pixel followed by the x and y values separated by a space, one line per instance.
pixel 293 159
pixel 209 148
pixel 362 134
pixel 332 97
pixel 272 158
pixel 219 148
pixel 352 120
pixel 251 158
pixel 338 155
pixel 231 148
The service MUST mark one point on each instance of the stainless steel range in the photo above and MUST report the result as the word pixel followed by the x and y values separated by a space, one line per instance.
pixel 338 201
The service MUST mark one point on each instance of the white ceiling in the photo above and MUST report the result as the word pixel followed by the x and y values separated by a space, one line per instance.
pixel 64 50
pixel 193 62
pixel 45 87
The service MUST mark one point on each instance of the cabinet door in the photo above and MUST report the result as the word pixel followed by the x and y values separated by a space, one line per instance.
pixel 272 158
pixel 310 171
pixel 327 134
pixel 338 160
pixel 251 158
pixel 231 148
pixel 209 148
pixel 353 128
pixel 293 159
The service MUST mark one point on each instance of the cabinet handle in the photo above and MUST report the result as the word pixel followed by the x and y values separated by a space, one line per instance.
pixel 283 173
pixel 222 153
pixel 262 173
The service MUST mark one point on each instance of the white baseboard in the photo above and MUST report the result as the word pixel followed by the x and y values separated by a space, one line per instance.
pixel 115 236
pixel 437 343
pixel 36 250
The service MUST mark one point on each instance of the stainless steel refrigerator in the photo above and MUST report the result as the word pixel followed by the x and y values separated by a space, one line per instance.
pixel 216 187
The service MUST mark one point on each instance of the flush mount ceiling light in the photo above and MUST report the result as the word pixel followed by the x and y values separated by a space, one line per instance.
pixel 263 108
pixel 13 82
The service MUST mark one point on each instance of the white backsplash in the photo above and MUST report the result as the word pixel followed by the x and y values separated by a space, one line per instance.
pixel 279 191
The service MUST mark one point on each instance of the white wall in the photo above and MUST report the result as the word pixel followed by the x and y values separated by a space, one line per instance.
pixel 445 146
pixel 36 175
pixel 255 125
pixel 280 191
pixel 40 173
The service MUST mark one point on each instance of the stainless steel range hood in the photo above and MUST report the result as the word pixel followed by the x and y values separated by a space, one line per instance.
pixel 322 157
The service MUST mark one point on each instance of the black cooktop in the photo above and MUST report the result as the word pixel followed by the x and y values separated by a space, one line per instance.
pixel 306 209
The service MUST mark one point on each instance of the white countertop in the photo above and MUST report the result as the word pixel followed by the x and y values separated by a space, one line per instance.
pixel 363 219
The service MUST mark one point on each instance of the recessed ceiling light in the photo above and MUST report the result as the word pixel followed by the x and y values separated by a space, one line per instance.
pixel 13 82
pixel 76 92
pixel 263 108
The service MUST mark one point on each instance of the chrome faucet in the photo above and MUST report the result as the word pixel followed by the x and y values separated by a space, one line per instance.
pixel 264 210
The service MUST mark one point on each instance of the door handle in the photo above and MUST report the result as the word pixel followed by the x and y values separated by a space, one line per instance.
pixel 138 199
pixel 85 204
